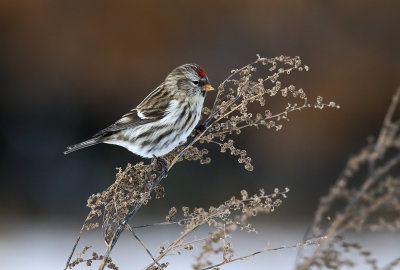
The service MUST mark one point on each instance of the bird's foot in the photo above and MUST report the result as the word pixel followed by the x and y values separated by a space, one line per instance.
pixel 162 165
pixel 200 128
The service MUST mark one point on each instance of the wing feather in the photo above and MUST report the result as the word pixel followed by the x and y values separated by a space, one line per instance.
pixel 151 109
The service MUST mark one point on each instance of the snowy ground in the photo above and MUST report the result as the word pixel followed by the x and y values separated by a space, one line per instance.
pixel 27 244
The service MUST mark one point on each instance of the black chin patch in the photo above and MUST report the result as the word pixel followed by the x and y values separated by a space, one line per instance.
pixel 203 93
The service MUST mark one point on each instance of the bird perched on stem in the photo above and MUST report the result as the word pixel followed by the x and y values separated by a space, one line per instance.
pixel 163 119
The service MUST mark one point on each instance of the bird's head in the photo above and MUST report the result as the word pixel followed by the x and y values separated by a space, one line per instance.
pixel 189 79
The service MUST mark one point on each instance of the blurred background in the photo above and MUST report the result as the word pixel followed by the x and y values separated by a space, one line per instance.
pixel 70 68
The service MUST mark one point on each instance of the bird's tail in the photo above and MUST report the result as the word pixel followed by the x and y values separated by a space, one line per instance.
pixel 84 144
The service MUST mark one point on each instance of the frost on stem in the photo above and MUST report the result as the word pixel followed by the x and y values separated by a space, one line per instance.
pixel 241 102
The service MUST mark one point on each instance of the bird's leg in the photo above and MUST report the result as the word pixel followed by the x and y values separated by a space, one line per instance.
pixel 162 165
pixel 199 129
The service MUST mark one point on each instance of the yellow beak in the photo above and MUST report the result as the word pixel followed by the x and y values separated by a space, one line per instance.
pixel 207 87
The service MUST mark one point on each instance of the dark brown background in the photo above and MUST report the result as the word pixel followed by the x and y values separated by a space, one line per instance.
pixel 69 68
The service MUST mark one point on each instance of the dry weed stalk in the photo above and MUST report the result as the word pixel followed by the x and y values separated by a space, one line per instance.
pixel 132 189
pixel 366 206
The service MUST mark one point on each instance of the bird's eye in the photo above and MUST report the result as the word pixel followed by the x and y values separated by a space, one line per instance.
pixel 195 82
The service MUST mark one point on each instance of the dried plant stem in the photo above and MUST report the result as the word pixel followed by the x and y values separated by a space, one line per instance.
pixel 172 246
pixel 192 242
pixel 334 228
pixel 132 213
pixel 121 228
pixel 339 223
pixel 142 244
pixel 228 79
pixel 298 245
pixel 78 238
pixel 161 223
pixel 133 186
pixel 391 264
pixel 177 243
pixel 275 116
pixel 388 122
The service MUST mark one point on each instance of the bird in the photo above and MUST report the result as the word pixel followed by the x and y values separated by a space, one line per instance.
pixel 164 119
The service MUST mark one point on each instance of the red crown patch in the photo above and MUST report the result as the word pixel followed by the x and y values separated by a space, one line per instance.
pixel 201 72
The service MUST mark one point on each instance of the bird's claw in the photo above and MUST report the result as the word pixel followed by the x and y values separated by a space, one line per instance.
pixel 199 129
pixel 162 165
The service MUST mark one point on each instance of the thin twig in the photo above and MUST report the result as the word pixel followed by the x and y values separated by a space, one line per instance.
pixel 141 243
pixel 278 115
pixel 340 218
pixel 77 241
pixel 173 245
pixel 303 244
pixel 162 223
pixel 192 242
pixel 391 264
pixel 122 225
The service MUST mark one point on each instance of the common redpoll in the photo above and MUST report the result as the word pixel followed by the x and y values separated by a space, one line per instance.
pixel 163 119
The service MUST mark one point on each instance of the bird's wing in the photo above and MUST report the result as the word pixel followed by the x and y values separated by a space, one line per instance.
pixel 155 104
pixel 151 109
